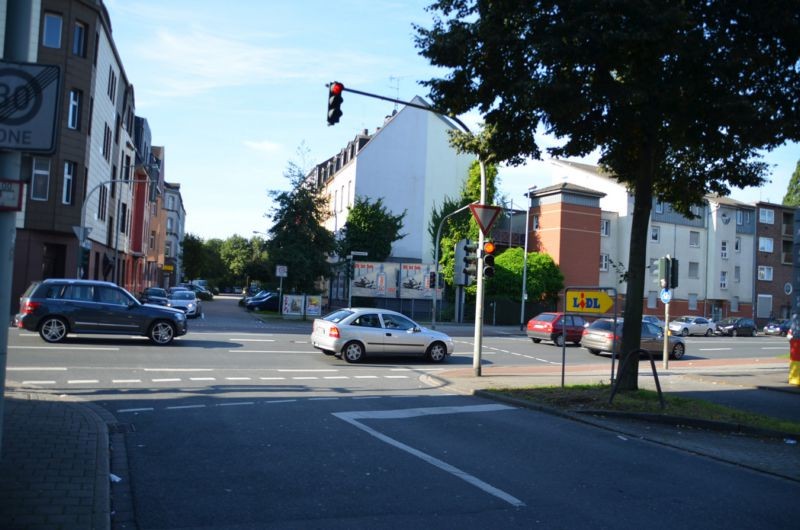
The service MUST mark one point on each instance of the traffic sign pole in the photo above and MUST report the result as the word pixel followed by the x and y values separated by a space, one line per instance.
pixel 665 357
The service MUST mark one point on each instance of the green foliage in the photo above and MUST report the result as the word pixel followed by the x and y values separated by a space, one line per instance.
pixel 543 280
pixel 370 228
pixel 679 97
pixel 237 253
pixel 193 256
pixel 792 197
pixel 298 239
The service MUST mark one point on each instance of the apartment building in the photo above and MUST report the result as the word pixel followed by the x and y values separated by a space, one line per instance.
pixel 175 218
pixel 774 261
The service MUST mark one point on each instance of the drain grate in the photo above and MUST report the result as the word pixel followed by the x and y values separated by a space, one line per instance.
pixel 120 428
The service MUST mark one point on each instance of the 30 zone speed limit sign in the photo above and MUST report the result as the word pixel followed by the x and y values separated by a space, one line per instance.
pixel 28 106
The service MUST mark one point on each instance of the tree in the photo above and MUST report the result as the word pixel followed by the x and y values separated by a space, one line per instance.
pixel 543 280
pixel 370 228
pixel 792 197
pixel 679 97
pixel 193 256
pixel 298 238
pixel 237 252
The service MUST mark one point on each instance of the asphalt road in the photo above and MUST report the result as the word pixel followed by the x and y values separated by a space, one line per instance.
pixel 241 424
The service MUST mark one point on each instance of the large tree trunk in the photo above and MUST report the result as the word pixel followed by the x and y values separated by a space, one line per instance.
pixel 628 368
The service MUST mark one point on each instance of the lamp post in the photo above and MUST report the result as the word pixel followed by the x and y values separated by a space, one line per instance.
pixel 525 260
pixel 436 257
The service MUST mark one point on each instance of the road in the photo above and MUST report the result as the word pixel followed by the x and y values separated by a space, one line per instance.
pixel 241 424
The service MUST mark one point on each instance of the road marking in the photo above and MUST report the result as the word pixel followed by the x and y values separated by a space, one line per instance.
pixel 36 369
pixel 143 409
pixel 178 369
pixel 775 348
pixel 366 376
pixel 252 340
pixel 126 380
pixel 238 404
pixel 366 397
pixel 714 349
pixel 202 379
pixel 270 351
pixel 165 380
pixel 284 370
pixel 324 399
pixel 336 377
pixel 305 377
pixel 269 402
pixel 38 382
pixel 82 381
pixel 272 378
pixel 181 407
pixel 396 376
pixel 353 417
pixel 89 348
pixel 237 379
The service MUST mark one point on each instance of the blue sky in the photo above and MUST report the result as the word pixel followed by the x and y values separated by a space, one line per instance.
pixel 233 90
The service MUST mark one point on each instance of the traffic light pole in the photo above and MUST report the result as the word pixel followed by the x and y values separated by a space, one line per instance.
pixel 436 258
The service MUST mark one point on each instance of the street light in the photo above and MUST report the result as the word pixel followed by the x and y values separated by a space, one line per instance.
pixel 525 259
pixel 436 257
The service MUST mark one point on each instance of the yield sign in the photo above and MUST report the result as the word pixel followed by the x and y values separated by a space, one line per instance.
pixel 485 215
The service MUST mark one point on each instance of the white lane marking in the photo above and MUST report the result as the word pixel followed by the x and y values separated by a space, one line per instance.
pixel 36 369
pixel 181 407
pixel 353 417
pixel 714 349
pixel 252 340
pixel 366 397
pixel 202 379
pixel 88 348
pixel 82 381
pixel 775 348
pixel 336 377
pixel 38 382
pixel 271 351
pixel 323 399
pixel 366 376
pixel 238 404
pixel 471 353
pixel 305 377
pixel 179 369
pixel 272 378
pixel 280 401
pixel 396 376
pixel 143 409
pixel 165 380
pixel 237 379
pixel 285 370
pixel 126 380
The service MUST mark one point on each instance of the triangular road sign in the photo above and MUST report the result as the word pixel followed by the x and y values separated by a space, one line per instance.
pixel 485 215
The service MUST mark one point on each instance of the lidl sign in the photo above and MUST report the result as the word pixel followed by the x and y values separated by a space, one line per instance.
pixel 589 302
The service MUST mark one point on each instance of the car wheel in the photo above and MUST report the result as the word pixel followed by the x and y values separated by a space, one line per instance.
pixel 559 340
pixel 353 352
pixel 677 351
pixel 709 332
pixel 685 332
pixel 53 329
pixel 536 341
pixel 437 352
pixel 734 333
pixel 161 332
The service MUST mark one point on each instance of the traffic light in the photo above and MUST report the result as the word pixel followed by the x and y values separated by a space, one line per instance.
pixel 349 269
pixel 335 90
pixel 432 280
pixel 668 272
pixel 488 259
pixel 470 262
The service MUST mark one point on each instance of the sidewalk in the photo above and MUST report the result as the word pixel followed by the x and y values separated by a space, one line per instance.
pixel 56 463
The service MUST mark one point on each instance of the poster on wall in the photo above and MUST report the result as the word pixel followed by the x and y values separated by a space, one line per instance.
pixel 313 305
pixel 293 305
pixel 375 279
pixel 415 280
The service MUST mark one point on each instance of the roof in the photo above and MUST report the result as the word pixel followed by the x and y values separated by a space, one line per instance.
pixel 566 187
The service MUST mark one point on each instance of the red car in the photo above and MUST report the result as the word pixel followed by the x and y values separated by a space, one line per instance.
pixel 549 326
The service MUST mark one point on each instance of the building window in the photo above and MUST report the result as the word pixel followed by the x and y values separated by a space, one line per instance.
pixel 765 244
pixel 652 298
pixel 694 270
pixel 723 252
pixel 69 182
pixel 764 306
pixel 170 203
pixel 765 273
pixel 694 238
pixel 739 217
pixel 737 274
pixel 604 262
pixel 40 179
pixel 766 216
pixel 692 300
pixel 51 36
pixel 655 234
pixel 696 210
pixel 79 39
pixel 734 304
pixel 74 115
pixel 605 227
pixel 170 225
pixel 107 143
pixel 535 223
pixel 723 279
pixel 102 203
pixel 737 244
pixel 168 249
pixel 111 90
pixel 659 207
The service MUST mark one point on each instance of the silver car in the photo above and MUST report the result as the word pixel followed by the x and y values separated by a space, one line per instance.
pixel 357 332
pixel 185 301
pixel 601 337
pixel 690 325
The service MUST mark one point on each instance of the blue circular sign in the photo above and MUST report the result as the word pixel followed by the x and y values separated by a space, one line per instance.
pixel 666 295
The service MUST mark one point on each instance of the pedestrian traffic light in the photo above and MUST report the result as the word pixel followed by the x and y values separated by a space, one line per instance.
pixel 432 280
pixel 673 273
pixel 335 90
pixel 488 259
pixel 668 272
pixel 470 262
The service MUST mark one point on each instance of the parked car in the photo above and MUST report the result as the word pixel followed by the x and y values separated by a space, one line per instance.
pixel 200 292
pixel 653 320
pixel 549 326
pixel 689 325
pixel 186 301
pixel 357 332
pixel 736 326
pixel 601 336
pixel 778 327
pixel 257 296
pixel 154 295
pixel 271 302
pixel 57 307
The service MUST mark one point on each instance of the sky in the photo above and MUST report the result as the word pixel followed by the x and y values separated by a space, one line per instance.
pixel 236 91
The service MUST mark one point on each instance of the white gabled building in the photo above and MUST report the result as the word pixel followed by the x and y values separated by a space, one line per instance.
pixel 409 163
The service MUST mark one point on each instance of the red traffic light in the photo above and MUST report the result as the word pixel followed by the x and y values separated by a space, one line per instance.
pixel 488 247
pixel 336 88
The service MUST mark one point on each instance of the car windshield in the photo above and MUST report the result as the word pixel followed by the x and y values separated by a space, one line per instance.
pixel 182 295
pixel 604 325
pixel 726 321
pixel 337 316
pixel 155 292
pixel 546 317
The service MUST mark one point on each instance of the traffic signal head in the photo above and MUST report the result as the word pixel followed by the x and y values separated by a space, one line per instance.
pixel 488 259
pixel 470 262
pixel 432 280
pixel 335 90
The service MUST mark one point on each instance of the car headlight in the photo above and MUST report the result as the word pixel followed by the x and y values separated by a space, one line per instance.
pixel 190 306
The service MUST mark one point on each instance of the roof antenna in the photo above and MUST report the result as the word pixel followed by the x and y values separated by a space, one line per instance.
pixel 396 87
